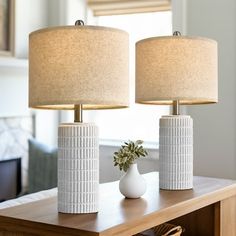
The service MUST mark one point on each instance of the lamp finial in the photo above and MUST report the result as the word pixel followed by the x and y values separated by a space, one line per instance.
pixel 79 22
pixel 176 33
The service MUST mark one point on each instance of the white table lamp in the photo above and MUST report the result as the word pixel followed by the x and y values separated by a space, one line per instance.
pixel 176 70
pixel 75 68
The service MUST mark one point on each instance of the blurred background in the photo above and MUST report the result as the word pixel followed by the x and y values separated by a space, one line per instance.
pixel 214 125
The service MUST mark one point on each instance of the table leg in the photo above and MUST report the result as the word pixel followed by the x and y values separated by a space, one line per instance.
pixel 227 213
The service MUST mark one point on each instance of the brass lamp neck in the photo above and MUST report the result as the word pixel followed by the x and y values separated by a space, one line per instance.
pixel 78 113
pixel 176 107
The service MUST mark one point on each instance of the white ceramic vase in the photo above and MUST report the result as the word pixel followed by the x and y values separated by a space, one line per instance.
pixel 132 184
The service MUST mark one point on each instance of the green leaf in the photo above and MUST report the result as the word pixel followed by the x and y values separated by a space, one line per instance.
pixel 138 142
pixel 128 153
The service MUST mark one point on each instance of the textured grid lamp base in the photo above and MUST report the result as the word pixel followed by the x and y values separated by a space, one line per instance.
pixel 78 168
pixel 176 152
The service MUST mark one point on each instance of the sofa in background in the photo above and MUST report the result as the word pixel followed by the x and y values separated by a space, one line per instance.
pixel 42 170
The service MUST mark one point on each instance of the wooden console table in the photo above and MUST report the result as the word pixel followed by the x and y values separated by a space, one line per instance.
pixel 208 209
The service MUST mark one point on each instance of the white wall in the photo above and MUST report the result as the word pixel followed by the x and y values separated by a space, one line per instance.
pixel 215 125
pixel 64 12
pixel 29 16
pixel 13 89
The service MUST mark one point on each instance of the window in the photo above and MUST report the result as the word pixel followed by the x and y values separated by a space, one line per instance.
pixel 138 121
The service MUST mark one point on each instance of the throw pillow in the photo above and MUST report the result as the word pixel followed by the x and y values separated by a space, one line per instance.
pixel 42 166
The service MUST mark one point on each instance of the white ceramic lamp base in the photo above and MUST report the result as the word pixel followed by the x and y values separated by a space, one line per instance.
pixel 176 152
pixel 78 168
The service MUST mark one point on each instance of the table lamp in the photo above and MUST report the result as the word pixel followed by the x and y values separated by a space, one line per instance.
pixel 176 70
pixel 78 67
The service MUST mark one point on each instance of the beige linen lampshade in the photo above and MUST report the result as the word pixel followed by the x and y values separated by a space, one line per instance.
pixel 176 68
pixel 78 67
pixel 72 65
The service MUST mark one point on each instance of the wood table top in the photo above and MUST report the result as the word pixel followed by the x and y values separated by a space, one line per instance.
pixel 117 214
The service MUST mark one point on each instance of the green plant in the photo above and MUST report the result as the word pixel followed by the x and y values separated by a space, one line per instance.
pixel 128 153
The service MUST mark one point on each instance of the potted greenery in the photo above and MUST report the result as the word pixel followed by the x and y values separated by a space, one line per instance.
pixel 132 184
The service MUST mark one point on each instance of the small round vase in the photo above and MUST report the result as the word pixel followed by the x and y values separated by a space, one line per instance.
pixel 132 184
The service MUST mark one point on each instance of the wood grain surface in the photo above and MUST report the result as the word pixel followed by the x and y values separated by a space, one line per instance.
pixel 117 215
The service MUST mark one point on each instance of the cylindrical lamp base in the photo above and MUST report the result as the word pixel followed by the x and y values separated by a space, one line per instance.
pixel 176 152
pixel 78 168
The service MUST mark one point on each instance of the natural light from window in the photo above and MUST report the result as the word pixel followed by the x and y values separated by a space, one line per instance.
pixel 138 121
